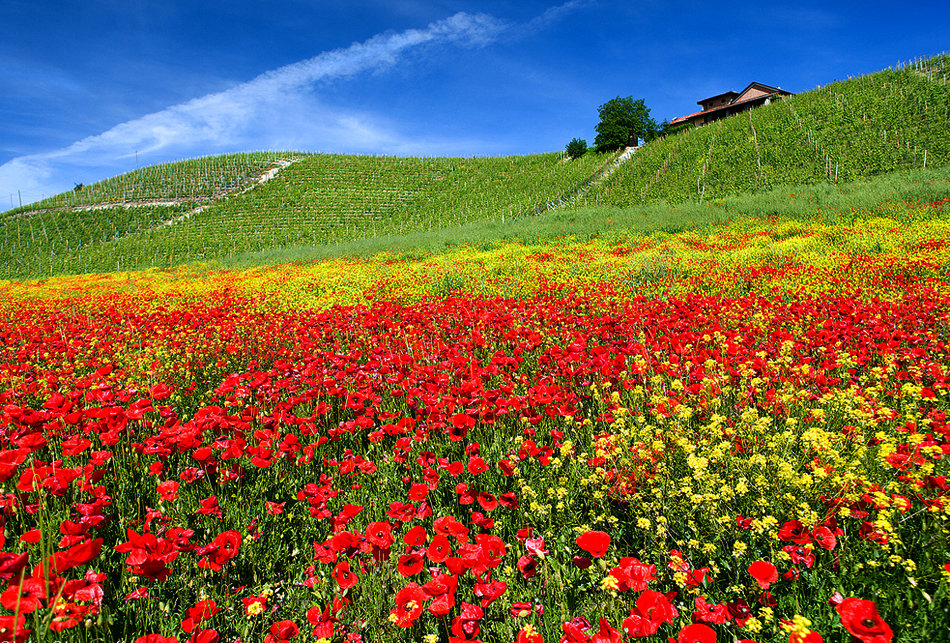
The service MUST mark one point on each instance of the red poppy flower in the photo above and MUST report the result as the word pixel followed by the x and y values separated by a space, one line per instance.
pixel 202 611
pixel 455 469
pixel 12 628
pixel 764 573
pixel 343 576
pixel 416 537
pixel 466 626
pixel 449 526
pixel 442 604
pixel 487 501
pixel 861 619
pixel 439 549
pixel 489 592
pixel 222 550
pixel 401 511
pixel 800 555
pixel 573 633
pixel 78 555
pixel 528 634
pixel 254 605
pixel 629 574
pixel 595 543
pixel 536 546
pixel 156 638
pixel 409 603
pixel 520 609
pixel 709 612
pixel 476 465
pixel 204 636
pixel 441 584
pixel 168 490
pixel 739 612
pixel 695 577
pixel 696 633
pixel 810 637
pixel 656 607
pixel 795 531
pixel 509 500
pixel 528 565
pixel 410 564
pixel 418 492
pixel 380 534
pixel 282 631
pixel 825 538
pixel 24 597
pixel 322 622
pixel 606 633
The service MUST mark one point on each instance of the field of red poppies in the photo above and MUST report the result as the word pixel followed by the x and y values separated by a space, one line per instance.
pixel 646 456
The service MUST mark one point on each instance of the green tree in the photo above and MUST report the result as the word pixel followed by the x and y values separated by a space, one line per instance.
pixel 621 121
pixel 576 148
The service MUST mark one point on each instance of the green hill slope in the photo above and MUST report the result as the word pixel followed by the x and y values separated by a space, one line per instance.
pixel 891 120
pixel 316 200
pixel 218 208
pixel 192 180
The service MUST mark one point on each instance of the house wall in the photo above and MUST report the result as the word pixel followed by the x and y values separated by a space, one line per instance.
pixel 716 102
pixel 753 93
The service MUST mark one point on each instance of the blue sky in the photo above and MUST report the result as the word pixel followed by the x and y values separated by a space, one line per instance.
pixel 86 85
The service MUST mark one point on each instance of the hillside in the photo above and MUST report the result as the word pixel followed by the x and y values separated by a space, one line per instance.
pixel 865 126
pixel 217 208
pixel 318 199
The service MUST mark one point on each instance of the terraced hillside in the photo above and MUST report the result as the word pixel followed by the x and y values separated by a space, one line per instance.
pixel 894 119
pixel 318 199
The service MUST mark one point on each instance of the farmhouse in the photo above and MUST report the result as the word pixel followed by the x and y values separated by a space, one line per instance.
pixel 729 103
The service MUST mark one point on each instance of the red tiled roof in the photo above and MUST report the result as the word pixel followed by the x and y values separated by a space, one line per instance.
pixel 683 119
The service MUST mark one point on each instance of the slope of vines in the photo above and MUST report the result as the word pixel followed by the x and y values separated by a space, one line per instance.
pixel 892 120
pixel 317 200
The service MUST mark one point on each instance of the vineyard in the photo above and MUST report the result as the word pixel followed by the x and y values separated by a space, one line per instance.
pixel 891 120
pixel 216 209
pixel 190 180
pixel 319 199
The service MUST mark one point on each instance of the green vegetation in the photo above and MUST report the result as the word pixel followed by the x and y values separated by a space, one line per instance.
pixel 320 199
pixel 217 210
pixel 193 179
pixel 895 119
pixel 880 196
pixel 622 121
pixel 576 148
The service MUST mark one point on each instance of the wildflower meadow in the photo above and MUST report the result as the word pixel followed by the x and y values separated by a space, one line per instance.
pixel 738 433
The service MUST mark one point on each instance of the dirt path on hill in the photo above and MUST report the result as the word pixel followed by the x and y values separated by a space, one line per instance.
pixel 205 201
pixel 571 197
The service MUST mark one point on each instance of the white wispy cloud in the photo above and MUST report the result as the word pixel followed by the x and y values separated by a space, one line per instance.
pixel 278 109
pixel 249 115
pixel 553 14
